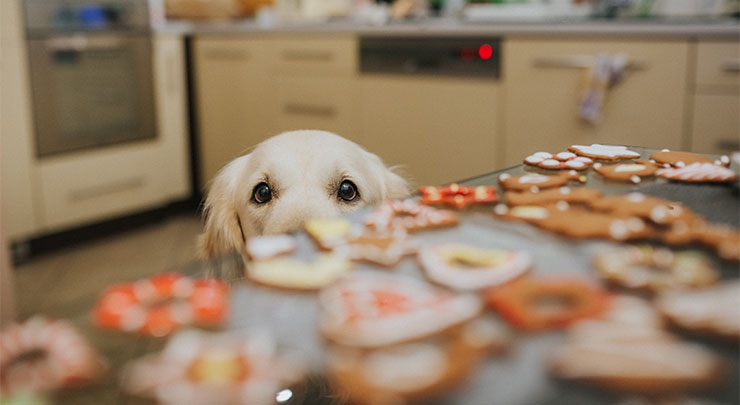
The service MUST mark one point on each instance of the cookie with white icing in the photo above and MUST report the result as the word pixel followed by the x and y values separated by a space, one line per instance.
pixel 681 159
pixel 712 311
pixel 655 209
pixel 552 196
pixel 536 181
pixel 327 232
pixel 267 247
pixel 633 172
pixel 604 152
pixel 558 161
pixel 294 274
pixel 579 223
pixel 385 248
pixel 698 173
pixel 410 216
pixel 466 267
pixel 371 309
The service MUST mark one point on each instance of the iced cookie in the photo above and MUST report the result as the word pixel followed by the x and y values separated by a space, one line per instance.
pixel 370 309
pixel 680 159
pixel 633 172
pixel 654 269
pixel 409 215
pixel 465 267
pixel 724 239
pixel 327 232
pixel 458 196
pixel 579 223
pixel 655 209
pixel 532 214
pixel 698 173
pixel 552 196
pixel 43 355
pixel 267 247
pixel 537 304
pixel 713 311
pixel 536 181
pixel 604 152
pixel 385 248
pixel 213 368
pixel 562 160
pixel 290 273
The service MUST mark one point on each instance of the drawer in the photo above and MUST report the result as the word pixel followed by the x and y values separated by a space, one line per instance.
pixel 316 103
pixel 718 64
pixel 716 127
pixel 81 188
pixel 314 55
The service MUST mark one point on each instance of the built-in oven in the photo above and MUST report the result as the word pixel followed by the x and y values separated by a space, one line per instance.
pixel 91 73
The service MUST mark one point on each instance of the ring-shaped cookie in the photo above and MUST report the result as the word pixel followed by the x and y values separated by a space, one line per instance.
pixel 541 304
pixel 43 355
pixel 466 267
pixel 654 269
pixel 158 305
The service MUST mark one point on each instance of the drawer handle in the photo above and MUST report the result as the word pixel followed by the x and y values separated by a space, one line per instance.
pixel 226 54
pixel 109 188
pixel 308 56
pixel 579 62
pixel 731 66
pixel 308 109
pixel 727 144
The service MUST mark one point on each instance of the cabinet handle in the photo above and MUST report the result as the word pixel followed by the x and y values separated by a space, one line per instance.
pixel 308 109
pixel 579 62
pixel 308 56
pixel 108 188
pixel 226 54
pixel 727 144
pixel 731 66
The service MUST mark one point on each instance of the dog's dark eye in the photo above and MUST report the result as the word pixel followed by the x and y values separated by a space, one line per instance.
pixel 348 191
pixel 261 193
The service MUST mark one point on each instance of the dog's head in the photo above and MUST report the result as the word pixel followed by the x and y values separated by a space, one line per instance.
pixel 288 179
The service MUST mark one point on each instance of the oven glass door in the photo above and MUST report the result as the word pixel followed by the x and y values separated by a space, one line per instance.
pixel 91 90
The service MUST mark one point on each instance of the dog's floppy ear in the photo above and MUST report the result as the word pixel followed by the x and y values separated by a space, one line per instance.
pixel 394 186
pixel 223 232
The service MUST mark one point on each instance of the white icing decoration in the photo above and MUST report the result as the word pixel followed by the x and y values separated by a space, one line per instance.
pixel 529 212
pixel 564 190
pixel 724 159
pixel 504 176
pixel 565 155
pixel 629 168
pixel 533 178
pixel 618 229
pixel 534 189
pixel 550 163
pixel 562 206
pixel 635 179
pixel 264 247
pixel 606 150
pixel 636 197
pixel 573 172
pixel 500 209
pixel 597 165
pixel 533 159
pixel 575 163
pixel 543 155
pixel 584 159
pixel 680 164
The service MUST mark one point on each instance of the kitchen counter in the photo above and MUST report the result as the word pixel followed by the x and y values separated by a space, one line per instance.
pixel 663 29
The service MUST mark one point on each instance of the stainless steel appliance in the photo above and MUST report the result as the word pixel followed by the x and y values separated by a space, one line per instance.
pixel 91 73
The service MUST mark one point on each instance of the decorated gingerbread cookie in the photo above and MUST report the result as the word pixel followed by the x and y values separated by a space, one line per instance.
pixel 713 311
pixel 465 267
pixel 213 368
pixel 44 355
pixel 698 173
pixel 633 172
pixel 458 196
pixel 579 223
pixel 371 309
pixel 667 158
pixel 723 239
pixel 604 152
pixel 536 181
pixel 655 209
pixel 290 273
pixel 537 304
pixel 633 357
pixel 562 160
pixel 327 232
pixel 267 247
pixel 410 216
pixel 385 248
pixel 532 214
pixel 655 269
pixel 552 196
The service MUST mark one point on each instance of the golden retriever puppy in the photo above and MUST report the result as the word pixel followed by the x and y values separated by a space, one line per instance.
pixel 288 179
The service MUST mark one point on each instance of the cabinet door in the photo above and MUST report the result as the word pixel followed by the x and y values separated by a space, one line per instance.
pixel 438 130
pixel 544 81
pixel 234 95
pixel 716 127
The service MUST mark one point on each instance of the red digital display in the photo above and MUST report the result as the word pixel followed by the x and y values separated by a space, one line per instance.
pixel 485 51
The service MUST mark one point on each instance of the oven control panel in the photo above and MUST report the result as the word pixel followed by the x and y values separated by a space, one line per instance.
pixel 84 15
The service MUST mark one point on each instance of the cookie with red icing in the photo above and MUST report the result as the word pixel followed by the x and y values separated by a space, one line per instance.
pixel 552 196
pixel 536 181
pixel 604 152
pixel 458 196
pixel 410 216
pixel 698 173
pixel 385 248
pixel 371 309
pixel 562 160
pixel 681 159
pixel 633 172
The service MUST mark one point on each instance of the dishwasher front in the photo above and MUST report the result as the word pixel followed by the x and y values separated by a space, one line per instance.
pixel 431 105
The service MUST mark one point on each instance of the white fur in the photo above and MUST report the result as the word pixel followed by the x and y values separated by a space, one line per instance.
pixel 303 169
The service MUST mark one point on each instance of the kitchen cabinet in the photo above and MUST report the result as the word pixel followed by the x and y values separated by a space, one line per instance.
pixel 438 130
pixel 544 80
pixel 715 127
pixel 235 99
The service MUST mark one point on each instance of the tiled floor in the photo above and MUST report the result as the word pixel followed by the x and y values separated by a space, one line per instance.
pixel 67 283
